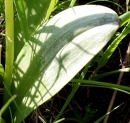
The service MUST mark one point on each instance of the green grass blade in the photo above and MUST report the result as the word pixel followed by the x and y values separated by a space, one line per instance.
pixel 74 90
pixel 2 120
pixel 60 120
pixel 127 5
pixel 72 3
pixel 99 76
pixel 6 105
pixel 16 106
pixel 124 18
pixel 114 45
pixel 62 5
pixel 11 115
pixel 1 75
pixel 124 89
pixel 41 119
pixel 9 17
pixel 100 119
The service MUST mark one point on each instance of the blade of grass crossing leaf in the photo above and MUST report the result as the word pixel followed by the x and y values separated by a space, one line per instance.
pixel 114 45
pixel 62 5
pixel 99 86
pixel 6 105
pixel 52 5
pixel 72 3
pixel 60 120
pixel 84 71
pixel 124 18
pixel 16 106
pixel 2 120
pixel 104 84
pixel 99 76
pixel 41 119
pixel 11 115
pixel 100 119
pixel 74 90
pixel 127 5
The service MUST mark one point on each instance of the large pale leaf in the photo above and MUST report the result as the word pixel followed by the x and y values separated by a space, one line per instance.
pixel 58 51
pixel 31 14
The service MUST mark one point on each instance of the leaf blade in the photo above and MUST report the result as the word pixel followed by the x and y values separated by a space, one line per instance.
pixel 51 53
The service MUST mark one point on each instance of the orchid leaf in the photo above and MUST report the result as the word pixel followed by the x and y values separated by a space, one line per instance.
pixel 57 51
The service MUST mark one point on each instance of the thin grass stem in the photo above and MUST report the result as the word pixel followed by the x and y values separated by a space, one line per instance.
pixel 9 27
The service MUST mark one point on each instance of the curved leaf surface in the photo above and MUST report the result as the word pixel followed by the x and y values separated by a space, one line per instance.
pixel 58 51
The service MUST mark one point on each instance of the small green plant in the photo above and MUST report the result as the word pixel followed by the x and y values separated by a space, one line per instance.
pixel 43 55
